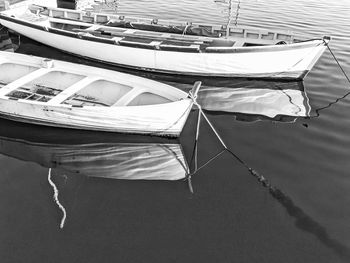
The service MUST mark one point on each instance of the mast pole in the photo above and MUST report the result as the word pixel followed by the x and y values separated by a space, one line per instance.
pixel 229 18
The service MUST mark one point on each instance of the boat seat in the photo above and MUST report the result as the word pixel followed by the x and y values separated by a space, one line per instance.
pixel 71 90
pixel 239 43
pixel 101 39
pixel 126 41
pixel 137 42
pixel 112 31
pixel 147 33
pixel 129 37
pixel 128 97
pixel 220 49
pixel 180 48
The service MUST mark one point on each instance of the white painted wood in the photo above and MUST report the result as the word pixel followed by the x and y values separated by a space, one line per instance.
pixel 22 81
pixel 128 97
pixel 166 119
pixel 71 90
pixel 291 61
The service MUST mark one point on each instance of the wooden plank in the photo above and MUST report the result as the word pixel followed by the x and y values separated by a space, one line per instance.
pixel 129 96
pixel 66 93
pixel 23 80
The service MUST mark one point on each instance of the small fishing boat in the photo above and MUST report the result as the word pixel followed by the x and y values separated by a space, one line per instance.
pixel 167 46
pixel 55 93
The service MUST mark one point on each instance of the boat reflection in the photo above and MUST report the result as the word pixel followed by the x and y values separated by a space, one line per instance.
pixel 122 158
pixel 249 99
pixel 256 100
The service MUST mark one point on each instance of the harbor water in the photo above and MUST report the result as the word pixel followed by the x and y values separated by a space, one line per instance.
pixel 293 137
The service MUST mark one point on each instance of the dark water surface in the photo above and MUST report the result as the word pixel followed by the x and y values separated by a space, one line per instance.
pixel 295 134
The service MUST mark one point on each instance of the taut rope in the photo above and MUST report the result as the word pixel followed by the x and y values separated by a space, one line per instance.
pixel 336 60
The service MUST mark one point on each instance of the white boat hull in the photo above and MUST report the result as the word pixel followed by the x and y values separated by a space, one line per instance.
pixel 160 120
pixel 291 61
pixel 128 104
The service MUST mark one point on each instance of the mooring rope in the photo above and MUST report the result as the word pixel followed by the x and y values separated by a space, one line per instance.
pixel 295 64
pixel 55 197
pixel 340 98
pixel 302 220
pixel 336 60
pixel 260 178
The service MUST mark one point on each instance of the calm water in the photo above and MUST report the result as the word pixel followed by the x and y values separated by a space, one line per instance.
pixel 231 217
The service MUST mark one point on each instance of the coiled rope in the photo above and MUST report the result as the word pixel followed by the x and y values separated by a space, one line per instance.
pixel 55 197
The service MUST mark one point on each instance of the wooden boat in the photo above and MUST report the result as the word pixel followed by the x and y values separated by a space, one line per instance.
pixel 61 94
pixel 169 47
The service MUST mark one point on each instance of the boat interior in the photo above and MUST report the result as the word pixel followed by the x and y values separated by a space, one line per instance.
pixel 160 34
pixel 62 87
